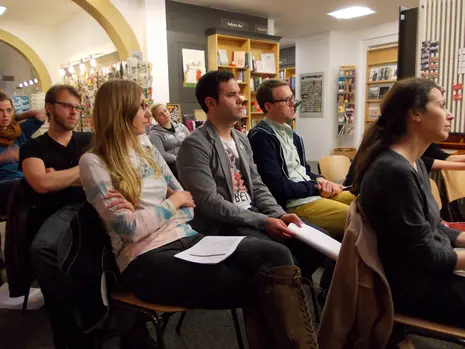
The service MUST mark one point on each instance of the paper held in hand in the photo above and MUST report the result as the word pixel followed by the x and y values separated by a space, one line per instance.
pixel 316 239
pixel 211 249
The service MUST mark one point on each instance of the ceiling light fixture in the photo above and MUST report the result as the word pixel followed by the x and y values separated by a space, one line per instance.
pixel 20 85
pixel 71 69
pixel 25 83
pixel 36 81
pixel 93 62
pixel 351 12
pixel 62 72
pixel 82 66
pixel 31 82
pixel 2 10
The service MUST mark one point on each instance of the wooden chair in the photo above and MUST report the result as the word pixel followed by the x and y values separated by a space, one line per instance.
pixel 334 167
pixel 412 325
pixel 159 315
pixel 454 184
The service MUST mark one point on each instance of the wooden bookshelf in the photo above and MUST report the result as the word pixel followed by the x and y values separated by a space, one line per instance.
pixel 253 45
pixel 379 79
pixel 288 74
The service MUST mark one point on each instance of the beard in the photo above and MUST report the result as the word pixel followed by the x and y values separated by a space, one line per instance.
pixel 62 123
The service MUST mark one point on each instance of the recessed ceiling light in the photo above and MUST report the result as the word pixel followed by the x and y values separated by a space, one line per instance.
pixel 351 12
pixel 2 10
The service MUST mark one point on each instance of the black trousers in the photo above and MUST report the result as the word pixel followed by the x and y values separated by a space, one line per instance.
pixel 305 257
pixel 441 300
pixel 157 276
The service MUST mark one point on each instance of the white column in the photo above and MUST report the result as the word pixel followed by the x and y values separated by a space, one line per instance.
pixel 270 26
pixel 156 48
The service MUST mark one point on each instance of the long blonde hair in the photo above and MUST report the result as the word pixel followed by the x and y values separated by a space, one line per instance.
pixel 116 104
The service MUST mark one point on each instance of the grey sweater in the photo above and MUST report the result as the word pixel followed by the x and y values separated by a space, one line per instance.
pixel 168 143
pixel 414 247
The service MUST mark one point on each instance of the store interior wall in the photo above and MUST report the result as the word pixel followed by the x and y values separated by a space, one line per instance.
pixel 186 25
pixel 80 37
pixel 13 64
pixel 325 53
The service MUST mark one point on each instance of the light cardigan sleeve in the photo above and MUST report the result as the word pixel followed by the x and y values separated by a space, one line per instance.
pixel 130 226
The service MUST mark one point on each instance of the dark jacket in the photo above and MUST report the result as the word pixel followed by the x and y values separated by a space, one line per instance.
pixel 21 227
pixel 271 165
pixel 89 255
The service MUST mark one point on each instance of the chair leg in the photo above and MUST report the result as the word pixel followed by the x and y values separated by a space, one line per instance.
pixel 316 308
pixel 240 343
pixel 26 299
pixel 180 321
pixel 158 328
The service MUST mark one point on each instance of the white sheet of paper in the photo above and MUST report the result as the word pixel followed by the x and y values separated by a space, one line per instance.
pixel 211 249
pixel 317 239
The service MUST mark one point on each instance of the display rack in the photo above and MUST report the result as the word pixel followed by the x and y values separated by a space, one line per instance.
pixel 251 58
pixel 346 101
pixel 381 76
pixel 88 82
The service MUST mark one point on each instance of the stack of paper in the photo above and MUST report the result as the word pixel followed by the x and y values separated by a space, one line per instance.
pixel 317 239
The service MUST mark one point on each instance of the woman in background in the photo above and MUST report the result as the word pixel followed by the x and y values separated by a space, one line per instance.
pixel 416 250
pixel 168 135
pixel 13 135
pixel 259 276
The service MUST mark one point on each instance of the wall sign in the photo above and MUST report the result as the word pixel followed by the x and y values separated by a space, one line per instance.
pixel 311 95
pixel 261 28
pixel 234 24
pixel 21 103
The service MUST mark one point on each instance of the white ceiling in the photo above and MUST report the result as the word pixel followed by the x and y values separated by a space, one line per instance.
pixel 39 12
pixel 297 18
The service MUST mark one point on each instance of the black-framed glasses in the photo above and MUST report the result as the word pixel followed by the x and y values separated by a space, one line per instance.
pixel 79 108
pixel 289 101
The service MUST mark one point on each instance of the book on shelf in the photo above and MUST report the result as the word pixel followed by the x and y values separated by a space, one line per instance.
pixel 240 76
pixel 268 63
pixel 373 92
pixel 238 57
pixel 223 57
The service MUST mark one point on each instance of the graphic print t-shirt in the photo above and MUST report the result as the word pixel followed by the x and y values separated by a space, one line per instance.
pixel 241 195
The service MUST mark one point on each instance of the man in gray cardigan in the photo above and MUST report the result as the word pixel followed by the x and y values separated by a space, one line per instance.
pixel 215 164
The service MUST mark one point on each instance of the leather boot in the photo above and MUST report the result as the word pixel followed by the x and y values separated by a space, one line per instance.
pixel 258 333
pixel 284 306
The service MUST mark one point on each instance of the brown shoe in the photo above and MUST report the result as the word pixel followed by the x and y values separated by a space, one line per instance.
pixel 284 305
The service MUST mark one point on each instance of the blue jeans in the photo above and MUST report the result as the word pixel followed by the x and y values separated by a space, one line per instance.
pixel 48 250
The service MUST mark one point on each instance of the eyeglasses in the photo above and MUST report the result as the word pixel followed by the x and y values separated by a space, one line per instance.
pixel 289 101
pixel 70 107
pixel 144 105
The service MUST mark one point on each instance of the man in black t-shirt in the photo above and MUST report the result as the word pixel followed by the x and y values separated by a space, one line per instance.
pixel 50 166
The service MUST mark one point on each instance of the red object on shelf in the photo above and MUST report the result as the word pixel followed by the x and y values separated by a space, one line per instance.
pixel 457 87
pixel 458 97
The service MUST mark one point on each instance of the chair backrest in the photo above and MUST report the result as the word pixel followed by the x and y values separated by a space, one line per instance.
pixel 455 184
pixel 435 191
pixel 334 167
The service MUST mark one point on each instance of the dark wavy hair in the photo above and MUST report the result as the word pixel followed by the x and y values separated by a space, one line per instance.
pixel 406 96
